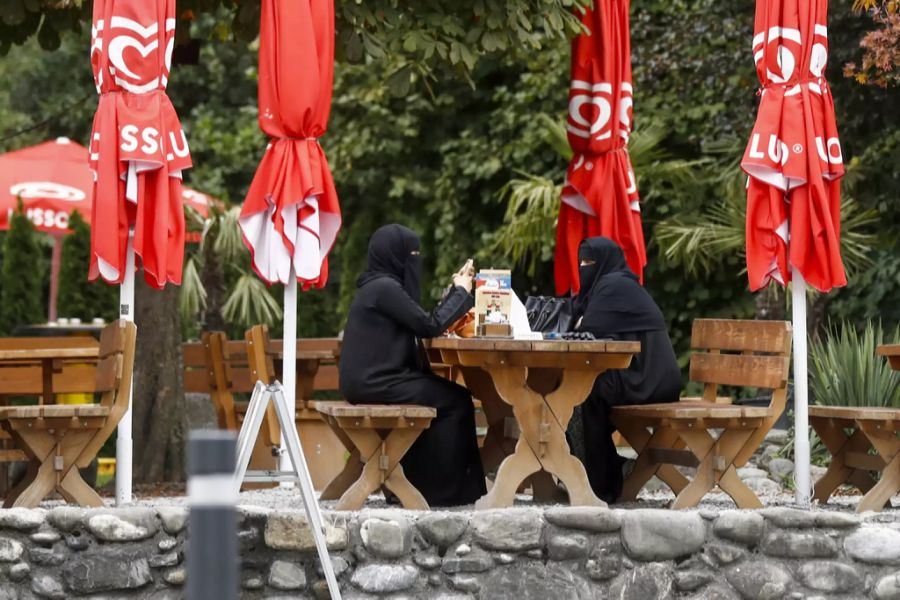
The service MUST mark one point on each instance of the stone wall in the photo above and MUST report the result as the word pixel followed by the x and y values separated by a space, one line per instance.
pixel 521 554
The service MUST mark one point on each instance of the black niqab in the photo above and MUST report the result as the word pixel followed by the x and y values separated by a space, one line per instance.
pixel 394 253
pixel 610 298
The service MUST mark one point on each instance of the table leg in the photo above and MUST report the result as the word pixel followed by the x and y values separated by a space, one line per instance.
pixel 887 445
pixel 496 446
pixel 47 381
pixel 832 434
pixel 542 444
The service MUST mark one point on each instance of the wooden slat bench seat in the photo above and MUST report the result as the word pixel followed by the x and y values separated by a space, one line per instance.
pixel 862 441
pixel 377 436
pixel 59 438
pixel 753 354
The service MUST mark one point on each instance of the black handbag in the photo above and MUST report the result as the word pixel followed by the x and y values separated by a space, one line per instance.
pixel 549 314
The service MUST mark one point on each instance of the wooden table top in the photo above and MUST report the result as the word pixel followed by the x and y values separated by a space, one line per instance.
pixel 889 350
pixel 509 345
pixel 26 355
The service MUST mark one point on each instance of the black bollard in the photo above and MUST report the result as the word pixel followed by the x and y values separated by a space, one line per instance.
pixel 212 553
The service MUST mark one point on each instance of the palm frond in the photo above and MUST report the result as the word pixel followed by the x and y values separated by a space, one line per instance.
pixel 250 303
pixel 529 226
pixel 192 298
pixel 228 243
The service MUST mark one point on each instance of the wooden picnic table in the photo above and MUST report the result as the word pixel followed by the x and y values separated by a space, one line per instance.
pixel 542 381
pixel 861 440
pixel 47 353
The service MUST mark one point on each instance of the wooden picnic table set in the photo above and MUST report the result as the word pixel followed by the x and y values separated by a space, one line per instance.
pixel 527 390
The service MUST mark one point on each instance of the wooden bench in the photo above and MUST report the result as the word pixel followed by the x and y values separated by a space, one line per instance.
pixel 861 441
pixel 58 438
pixel 726 353
pixel 377 437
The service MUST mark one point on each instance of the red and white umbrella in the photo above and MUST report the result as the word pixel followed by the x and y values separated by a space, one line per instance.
pixel 53 179
pixel 600 195
pixel 137 152
pixel 291 216
pixel 794 162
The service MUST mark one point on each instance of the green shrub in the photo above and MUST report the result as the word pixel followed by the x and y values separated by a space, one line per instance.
pixel 79 297
pixel 22 300
pixel 844 369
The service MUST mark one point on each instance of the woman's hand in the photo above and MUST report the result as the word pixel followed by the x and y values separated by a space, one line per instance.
pixel 463 277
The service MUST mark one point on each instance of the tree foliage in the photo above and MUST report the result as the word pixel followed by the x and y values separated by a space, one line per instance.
pixel 21 278
pixel 79 297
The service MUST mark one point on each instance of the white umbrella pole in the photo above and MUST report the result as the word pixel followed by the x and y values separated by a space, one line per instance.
pixel 289 362
pixel 801 391
pixel 123 441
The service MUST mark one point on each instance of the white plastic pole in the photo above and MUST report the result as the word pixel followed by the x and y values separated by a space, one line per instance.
pixel 289 363
pixel 801 391
pixel 123 441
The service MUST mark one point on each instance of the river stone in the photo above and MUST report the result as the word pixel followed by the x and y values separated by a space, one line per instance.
pixel 506 530
pixel 173 518
pixel 688 580
pixel 47 586
pixel 46 557
pixel 585 518
pixel 605 562
pixel 763 486
pixel 252 583
pixel 45 538
pixel 78 540
pixel 65 518
pixel 338 564
pixel 102 573
pixel 465 583
pixel 874 545
pixel 644 582
pixel 175 576
pixel 724 554
pixel 655 534
pixel 169 559
pixel 780 468
pixel 789 518
pixel 795 544
pixel 21 519
pixel 477 561
pixel 567 547
pixel 381 579
pixel 888 587
pixel 10 549
pixel 835 519
pixel 739 526
pixel 427 560
pixel 19 571
pixel 746 473
pixel 714 591
pixel 385 539
pixel 759 580
pixel 167 544
pixel 286 576
pixel 110 528
pixel 289 530
pixel 535 581
pixel 442 528
pixel 829 576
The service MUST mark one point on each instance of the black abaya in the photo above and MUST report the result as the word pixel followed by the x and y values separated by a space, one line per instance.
pixel 612 304
pixel 382 363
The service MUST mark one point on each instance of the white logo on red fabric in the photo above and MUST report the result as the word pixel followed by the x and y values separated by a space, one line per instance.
pixel 46 190
pixel 782 47
pixel 148 141
pixel 830 151
pixel 776 150
pixel 590 110
pixel 131 49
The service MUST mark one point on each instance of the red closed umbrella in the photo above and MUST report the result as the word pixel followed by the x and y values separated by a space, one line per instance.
pixel 138 148
pixel 794 162
pixel 600 196
pixel 137 152
pixel 291 216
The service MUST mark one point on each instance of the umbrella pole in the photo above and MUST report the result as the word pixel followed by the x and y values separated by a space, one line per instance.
pixel 289 362
pixel 801 391
pixel 55 260
pixel 123 441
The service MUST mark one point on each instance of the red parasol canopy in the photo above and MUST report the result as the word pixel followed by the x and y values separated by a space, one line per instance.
pixel 54 179
pixel 138 148
pixel 794 155
pixel 291 215
pixel 600 196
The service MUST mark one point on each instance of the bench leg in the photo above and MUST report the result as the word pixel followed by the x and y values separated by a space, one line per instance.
pixel 716 467
pixel 382 468
pixel 352 468
pixel 645 467
pixel 839 443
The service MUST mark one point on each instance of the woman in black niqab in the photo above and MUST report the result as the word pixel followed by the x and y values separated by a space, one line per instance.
pixel 382 362
pixel 612 304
